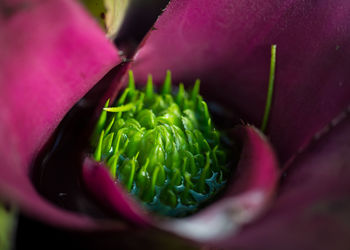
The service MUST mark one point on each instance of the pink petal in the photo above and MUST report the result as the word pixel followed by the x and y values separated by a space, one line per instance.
pixel 51 54
pixel 247 195
pixel 109 193
pixel 312 210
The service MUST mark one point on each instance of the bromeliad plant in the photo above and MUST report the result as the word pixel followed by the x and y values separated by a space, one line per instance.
pixel 163 147
pixel 53 53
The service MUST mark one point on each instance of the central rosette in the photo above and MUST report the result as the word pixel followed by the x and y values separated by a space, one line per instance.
pixel 162 147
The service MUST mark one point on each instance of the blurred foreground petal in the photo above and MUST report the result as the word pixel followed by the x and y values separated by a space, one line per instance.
pixel 247 195
pixel 312 209
pixel 51 54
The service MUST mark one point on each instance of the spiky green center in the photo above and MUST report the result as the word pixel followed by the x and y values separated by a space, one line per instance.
pixel 162 147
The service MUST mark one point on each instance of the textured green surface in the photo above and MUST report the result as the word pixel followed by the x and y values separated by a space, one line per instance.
pixel 162 147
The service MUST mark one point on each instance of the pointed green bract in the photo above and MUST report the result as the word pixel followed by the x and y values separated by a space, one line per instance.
pixel 167 83
pixel 131 83
pixel 149 87
pixel 123 108
pixel 195 90
pixel 98 151
pixel 180 95
pixel 162 147
pixel 100 123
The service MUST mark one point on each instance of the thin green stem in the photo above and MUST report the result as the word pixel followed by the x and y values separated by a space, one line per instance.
pixel 270 88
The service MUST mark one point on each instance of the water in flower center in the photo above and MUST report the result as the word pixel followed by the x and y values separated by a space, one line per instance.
pixel 162 147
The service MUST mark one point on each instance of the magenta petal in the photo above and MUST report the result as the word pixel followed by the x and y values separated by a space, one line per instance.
pixel 51 54
pixel 247 195
pixel 109 193
pixel 227 43
pixel 312 210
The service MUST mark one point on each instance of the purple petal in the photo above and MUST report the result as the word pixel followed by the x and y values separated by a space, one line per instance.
pixel 51 54
pixel 312 210
pixel 109 193
pixel 226 44
pixel 247 194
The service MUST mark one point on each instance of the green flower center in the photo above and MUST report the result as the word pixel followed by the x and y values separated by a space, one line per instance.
pixel 162 147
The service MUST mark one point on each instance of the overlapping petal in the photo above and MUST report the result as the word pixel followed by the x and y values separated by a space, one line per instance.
pixel 247 195
pixel 226 44
pixel 51 54
pixel 312 210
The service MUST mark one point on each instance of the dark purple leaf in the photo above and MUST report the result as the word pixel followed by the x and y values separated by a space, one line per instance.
pixel 226 44
pixel 312 209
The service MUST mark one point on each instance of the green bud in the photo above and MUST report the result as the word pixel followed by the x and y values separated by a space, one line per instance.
pixel 162 147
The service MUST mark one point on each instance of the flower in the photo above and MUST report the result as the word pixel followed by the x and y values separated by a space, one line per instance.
pixel 224 43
